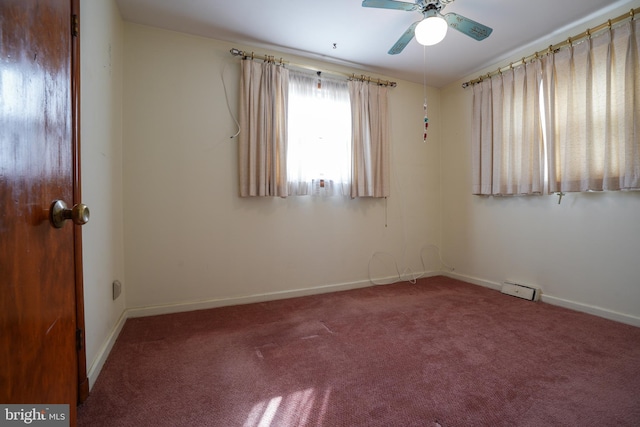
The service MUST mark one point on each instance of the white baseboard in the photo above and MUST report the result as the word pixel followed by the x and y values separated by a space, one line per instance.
pixel 267 296
pixel 105 349
pixel 101 358
pixel 561 302
pixel 590 309
pixel 474 280
pixel 109 342
pixel 224 302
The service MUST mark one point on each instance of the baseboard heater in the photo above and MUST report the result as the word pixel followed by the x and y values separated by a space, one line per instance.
pixel 530 293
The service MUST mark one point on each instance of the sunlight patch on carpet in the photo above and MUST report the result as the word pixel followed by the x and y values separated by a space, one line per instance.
pixel 297 408
pixel 262 413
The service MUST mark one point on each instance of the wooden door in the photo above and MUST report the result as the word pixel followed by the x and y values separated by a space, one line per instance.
pixel 40 266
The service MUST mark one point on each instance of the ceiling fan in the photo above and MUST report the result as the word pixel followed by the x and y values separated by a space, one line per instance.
pixel 433 27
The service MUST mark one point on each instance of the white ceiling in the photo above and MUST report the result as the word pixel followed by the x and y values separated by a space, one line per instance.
pixel 363 36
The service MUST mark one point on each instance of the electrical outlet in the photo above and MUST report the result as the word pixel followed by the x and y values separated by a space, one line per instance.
pixel 117 289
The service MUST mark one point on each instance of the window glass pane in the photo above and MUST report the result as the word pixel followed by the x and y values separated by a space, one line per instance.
pixel 319 134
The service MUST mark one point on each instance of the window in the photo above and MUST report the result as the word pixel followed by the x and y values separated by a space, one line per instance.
pixel 565 122
pixel 319 135
pixel 592 113
pixel 339 135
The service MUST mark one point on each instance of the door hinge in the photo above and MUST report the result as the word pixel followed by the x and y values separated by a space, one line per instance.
pixel 75 26
pixel 79 339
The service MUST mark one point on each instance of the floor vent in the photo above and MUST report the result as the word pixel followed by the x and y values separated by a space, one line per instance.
pixel 529 293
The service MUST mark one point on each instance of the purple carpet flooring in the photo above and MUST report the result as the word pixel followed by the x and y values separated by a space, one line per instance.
pixel 436 353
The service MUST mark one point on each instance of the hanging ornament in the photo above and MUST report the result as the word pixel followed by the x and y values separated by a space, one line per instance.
pixel 424 88
pixel 426 121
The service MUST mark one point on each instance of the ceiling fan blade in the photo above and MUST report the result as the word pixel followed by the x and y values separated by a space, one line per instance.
pixel 467 26
pixel 390 4
pixel 404 39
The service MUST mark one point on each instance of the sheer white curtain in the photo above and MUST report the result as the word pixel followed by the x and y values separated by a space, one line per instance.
pixel 592 93
pixel 370 158
pixel 507 146
pixel 319 144
pixel 262 144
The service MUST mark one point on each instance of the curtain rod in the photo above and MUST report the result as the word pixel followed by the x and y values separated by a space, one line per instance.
pixel 270 58
pixel 556 47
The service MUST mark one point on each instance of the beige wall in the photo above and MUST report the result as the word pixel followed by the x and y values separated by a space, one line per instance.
pixel 583 253
pixel 101 48
pixel 159 173
pixel 188 236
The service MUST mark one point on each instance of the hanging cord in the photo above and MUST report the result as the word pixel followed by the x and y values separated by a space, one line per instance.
pixel 400 275
pixel 406 275
pixel 226 97
pixel 437 248
pixel 386 213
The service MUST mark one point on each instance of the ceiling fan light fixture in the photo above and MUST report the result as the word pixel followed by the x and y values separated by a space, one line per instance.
pixel 431 30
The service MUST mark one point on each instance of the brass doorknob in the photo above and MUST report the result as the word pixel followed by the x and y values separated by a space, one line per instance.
pixel 59 213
